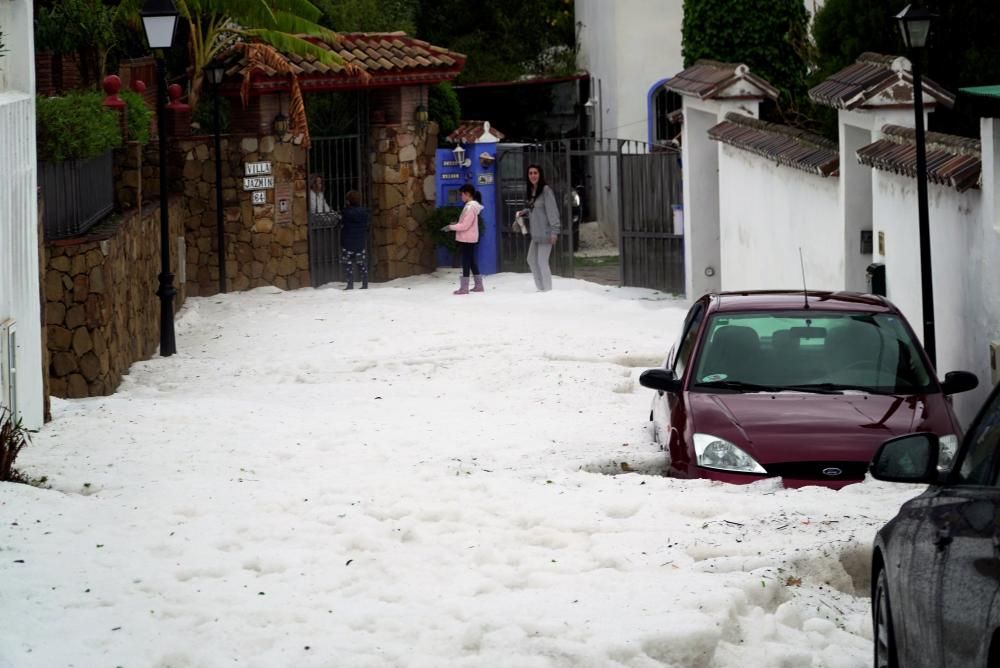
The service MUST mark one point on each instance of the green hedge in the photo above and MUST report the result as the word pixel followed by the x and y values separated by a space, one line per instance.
pixel 139 116
pixel 75 127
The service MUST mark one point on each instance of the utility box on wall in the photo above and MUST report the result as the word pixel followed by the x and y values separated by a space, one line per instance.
pixel 473 164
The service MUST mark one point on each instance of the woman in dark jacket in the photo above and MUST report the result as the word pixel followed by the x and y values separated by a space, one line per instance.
pixel 354 239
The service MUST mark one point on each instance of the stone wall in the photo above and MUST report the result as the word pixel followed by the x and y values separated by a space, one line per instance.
pixel 261 248
pixel 102 313
pixel 402 196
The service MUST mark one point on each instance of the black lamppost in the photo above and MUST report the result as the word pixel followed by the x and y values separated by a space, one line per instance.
pixel 159 20
pixel 214 73
pixel 915 25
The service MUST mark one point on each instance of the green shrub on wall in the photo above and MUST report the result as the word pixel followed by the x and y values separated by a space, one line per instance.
pixel 443 108
pixel 75 127
pixel 204 113
pixel 139 116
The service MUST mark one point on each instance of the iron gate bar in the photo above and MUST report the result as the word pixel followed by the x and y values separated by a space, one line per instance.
pixel 341 162
pixel 644 182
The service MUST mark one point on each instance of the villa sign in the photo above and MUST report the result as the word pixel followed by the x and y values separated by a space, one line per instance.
pixel 257 179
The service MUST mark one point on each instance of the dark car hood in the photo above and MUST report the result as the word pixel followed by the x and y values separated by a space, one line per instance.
pixel 791 426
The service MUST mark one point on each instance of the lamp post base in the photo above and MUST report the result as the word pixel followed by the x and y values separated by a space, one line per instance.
pixel 166 293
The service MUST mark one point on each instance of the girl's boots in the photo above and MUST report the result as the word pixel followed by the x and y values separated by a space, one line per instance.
pixel 463 286
pixel 478 278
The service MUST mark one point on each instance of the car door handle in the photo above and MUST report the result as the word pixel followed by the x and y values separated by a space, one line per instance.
pixel 943 537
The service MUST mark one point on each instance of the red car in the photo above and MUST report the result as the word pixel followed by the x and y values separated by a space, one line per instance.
pixel 799 385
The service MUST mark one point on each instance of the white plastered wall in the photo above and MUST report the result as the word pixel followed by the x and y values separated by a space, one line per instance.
pixel 19 263
pixel 768 213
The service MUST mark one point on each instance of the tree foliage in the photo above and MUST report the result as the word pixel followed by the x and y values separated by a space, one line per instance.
pixel 962 51
pixel 90 29
pixel 368 15
pixel 214 26
pixel 503 39
pixel 769 36
pixel 443 108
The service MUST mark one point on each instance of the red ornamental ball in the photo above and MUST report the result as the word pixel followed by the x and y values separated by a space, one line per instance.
pixel 138 85
pixel 112 84
pixel 174 91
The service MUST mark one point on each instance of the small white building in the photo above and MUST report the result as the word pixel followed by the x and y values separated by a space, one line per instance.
pixel 21 382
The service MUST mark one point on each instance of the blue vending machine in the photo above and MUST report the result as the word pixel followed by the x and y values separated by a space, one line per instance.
pixel 474 164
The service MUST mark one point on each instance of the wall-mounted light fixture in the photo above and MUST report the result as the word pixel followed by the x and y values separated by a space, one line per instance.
pixel 280 125
pixel 420 117
pixel 460 159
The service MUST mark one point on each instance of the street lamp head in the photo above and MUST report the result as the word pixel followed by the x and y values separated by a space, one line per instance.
pixel 159 20
pixel 214 72
pixel 915 26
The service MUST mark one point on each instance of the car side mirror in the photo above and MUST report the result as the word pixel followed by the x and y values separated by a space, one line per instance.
pixel 660 379
pixel 910 458
pixel 959 381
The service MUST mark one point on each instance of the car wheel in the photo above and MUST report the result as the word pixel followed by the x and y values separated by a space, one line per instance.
pixel 885 639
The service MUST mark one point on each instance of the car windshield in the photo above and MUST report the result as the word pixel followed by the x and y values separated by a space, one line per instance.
pixel 810 351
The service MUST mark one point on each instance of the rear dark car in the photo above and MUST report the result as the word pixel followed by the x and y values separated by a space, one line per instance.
pixel 802 386
pixel 936 565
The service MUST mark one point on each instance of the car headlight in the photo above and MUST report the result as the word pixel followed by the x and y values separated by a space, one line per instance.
pixel 717 453
pixel 946 453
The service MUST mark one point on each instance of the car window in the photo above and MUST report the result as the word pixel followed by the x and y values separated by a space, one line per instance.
pixel 865 351
pixel 979 460
pixel 689 336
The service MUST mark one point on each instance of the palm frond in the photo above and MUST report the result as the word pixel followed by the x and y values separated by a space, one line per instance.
pixel 265 55
pixel 293 24
pixel 301 8
pixel 286 43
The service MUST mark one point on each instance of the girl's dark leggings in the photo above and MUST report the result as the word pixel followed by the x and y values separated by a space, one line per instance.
pixel 468 258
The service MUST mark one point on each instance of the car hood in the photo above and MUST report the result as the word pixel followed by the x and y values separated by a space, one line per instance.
pixel 791 426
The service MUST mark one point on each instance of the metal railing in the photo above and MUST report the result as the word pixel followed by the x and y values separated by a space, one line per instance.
pixel 77 194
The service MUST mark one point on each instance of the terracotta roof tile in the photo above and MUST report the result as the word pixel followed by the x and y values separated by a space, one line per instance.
pixel 785 145
pixel 708 79
pixel 952 161
pixel 469 132
pixel 875 79
pixel 391 56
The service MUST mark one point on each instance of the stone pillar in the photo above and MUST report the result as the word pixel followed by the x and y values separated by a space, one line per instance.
pixel 402 164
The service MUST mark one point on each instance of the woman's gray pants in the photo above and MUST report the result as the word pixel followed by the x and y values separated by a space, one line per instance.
pixel 538 260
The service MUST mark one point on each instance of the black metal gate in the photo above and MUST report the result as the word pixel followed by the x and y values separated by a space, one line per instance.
pixel 341 162
pixel 631 185
pixel 512 168
pixel 651 250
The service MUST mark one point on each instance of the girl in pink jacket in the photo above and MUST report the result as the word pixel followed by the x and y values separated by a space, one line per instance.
pixel 467 235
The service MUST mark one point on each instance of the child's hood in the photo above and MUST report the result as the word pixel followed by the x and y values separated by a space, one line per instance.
pixel 475 206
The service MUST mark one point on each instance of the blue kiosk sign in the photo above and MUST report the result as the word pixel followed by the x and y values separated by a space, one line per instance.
pixel 474 164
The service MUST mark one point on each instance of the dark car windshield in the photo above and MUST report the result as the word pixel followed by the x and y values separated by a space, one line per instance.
pixel 802 350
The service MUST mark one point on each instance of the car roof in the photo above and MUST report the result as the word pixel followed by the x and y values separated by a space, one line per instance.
pixel 796 300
